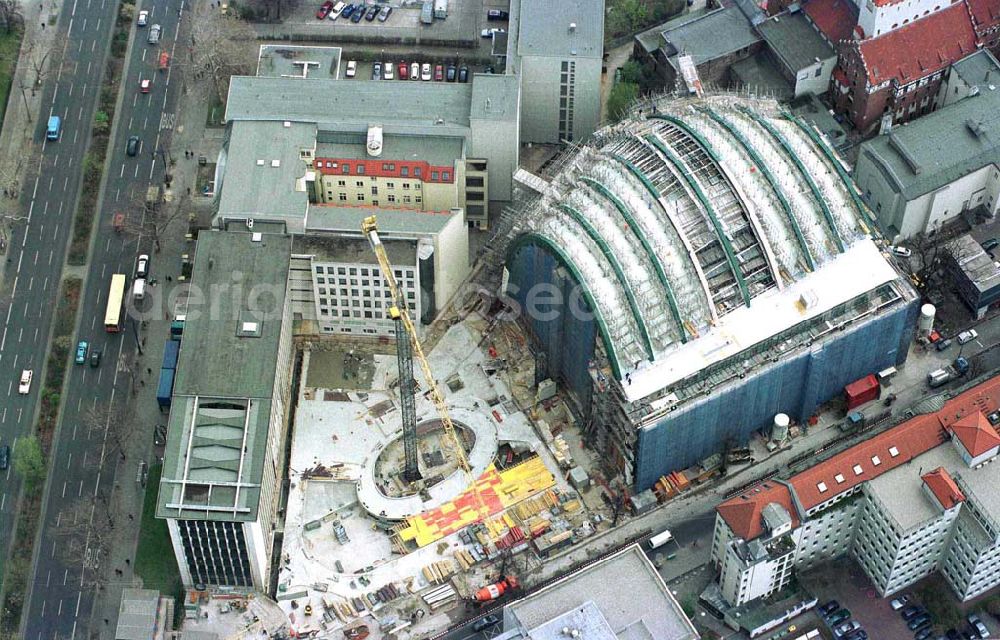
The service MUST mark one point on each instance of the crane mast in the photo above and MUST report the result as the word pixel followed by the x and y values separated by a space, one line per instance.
pixel 407 387
pixel 401 316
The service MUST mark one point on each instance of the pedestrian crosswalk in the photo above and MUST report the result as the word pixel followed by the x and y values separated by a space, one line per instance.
pixel 167 120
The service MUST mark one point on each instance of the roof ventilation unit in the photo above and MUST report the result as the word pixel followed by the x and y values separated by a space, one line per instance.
pixel 572 27
pixel 275 163
pixel 374 145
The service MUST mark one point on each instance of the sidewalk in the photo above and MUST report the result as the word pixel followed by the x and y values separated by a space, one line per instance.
pixel 189 134
pixel 20 151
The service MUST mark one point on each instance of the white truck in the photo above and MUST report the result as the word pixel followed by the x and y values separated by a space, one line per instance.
pixel 660 539
pixel 440 9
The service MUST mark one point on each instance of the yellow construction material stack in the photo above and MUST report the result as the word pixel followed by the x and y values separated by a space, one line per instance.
pixel 465 559
pixel 560 451
pixel 438 572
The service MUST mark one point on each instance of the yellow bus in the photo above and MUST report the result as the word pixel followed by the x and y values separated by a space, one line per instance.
pixel 114 317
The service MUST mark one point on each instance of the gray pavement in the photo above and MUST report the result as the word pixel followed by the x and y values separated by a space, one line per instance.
pixel 85 461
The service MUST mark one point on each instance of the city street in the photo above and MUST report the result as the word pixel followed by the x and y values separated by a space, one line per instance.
pixel 85 459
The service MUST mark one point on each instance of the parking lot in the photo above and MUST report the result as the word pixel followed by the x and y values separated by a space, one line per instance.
pixel 364 68
pixel 845 582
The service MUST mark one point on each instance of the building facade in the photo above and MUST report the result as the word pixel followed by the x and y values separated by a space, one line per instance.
pixel 900 521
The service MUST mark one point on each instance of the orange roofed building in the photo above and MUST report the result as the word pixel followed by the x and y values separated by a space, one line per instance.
pixel 917 498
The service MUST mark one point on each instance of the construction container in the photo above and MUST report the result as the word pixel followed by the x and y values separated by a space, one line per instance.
pixel 862 391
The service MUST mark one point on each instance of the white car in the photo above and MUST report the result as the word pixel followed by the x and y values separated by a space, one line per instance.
pixel 142 266
pixel 489 33
pixel 352 69
pixel 415 71
pixel 143 19
pixel 899 602
pixel 24 386
pixel 967 336
pixel 387 72
pixel 425 71
pixel 902 252
pixel 335 12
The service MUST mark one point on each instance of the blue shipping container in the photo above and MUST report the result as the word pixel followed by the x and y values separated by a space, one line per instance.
pixel 166 387
pixel 170 351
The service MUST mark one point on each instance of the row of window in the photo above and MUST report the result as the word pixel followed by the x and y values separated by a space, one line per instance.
pixel 360 184
pixel 360 271
pixel 360 197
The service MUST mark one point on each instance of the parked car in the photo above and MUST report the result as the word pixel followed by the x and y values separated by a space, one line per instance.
pixel 144 85
pixel 941 345
pixel 923 634
pixel 497 14
pixel 372 12
pixel 977 623
pixel 967 336
pixel 828 608
pixel 912 611
pixel 142 266
pixel 899 601
pixel 387 71
pixel 24 384
pixel 154 34
pixel 451 74
pixel 990 244
pixel 463 74
pixel 384 13
pixel 4 457
pixel 132 145
pixel 352 69
pixel 918 622
pixel 358 14
pixel 486 623
pixel 902 252
pixel 838 616
pixel 857 634
pixel 324 10
pixel 425 71
pixel 404 70
pixel 95 358
pixel 337 9
pixel 489 33
pixel 415 71
pixel 143 19
pixel 846 627
pixel 377 71
pixel 438 72
pixel 81 351
pixel 347 11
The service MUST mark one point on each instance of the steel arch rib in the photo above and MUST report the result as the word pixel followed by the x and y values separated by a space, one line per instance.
pixel 766 172
pixel 727 248
pixel 655 259
pixel 633 304
pixel 567 261
pixel 813 187
pixel 839 168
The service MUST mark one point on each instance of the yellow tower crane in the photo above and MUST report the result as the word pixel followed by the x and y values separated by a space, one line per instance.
pixel 399 312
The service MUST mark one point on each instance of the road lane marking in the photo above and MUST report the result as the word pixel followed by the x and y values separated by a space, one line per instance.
pixel 64 490
pixel 122 172
pixel 69 460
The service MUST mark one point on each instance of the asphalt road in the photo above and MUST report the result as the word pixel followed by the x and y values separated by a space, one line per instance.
pixel 38 238
pixel 84 462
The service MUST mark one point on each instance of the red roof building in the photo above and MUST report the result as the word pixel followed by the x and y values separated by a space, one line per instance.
pixel 986 22
pixel 835 19
pixel 942 486
pixel 964 415
pixel 976 434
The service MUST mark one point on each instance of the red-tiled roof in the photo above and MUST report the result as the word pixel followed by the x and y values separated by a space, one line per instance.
pixel 908 440
pixel 834 18
pixel 976 434
pixel 743 513
pixel 943 487
pixel 921 48
pixel 985 12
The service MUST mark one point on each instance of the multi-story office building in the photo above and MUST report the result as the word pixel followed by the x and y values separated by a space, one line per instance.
pixel 915 499
pixel 224 459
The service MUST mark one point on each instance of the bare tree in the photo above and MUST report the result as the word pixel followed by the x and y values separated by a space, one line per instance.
pixel 104 417
pixel 224 46
pixel 10 15
pixel 85 536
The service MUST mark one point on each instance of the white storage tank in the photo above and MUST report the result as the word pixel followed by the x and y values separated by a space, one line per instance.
pixel 779 431
pixel 926 321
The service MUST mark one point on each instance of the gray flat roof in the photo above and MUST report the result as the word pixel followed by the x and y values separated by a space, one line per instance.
pixel 252 186
pixel 220 412
pixel 624 588
pixel 494 97
pixel 974 262
pixel 544 28
pixel 330 103
pixel 941 147
pixel 276 60
pixel 137 614
pixel 901 489
pixel 710 36
pixel 794 41
pixel 356 250
pixel 406 222
pixel 978 69
pixel 437 150
pixel 761 74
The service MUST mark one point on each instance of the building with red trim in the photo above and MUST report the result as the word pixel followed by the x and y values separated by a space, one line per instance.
pixel 915 499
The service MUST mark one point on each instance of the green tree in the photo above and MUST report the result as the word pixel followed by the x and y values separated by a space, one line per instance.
pixel 101 122
pixel 29 462
pixel 620 98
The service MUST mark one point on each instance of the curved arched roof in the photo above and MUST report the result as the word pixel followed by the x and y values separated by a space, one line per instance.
pixel 673 220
